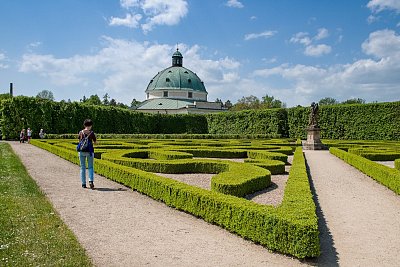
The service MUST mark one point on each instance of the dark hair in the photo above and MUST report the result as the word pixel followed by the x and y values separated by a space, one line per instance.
pixel 88 122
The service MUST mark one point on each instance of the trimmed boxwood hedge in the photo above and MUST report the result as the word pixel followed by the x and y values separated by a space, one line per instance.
pixel 375 154
pixel 376 121
pixel 61 117
pixel 267 121
pixel 387 176
pixel 232 178
pixel 291 228
pixel 274 166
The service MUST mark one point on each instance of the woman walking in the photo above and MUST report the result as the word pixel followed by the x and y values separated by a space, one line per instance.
pixel 29 134
pixel 86 152
pixel 22 136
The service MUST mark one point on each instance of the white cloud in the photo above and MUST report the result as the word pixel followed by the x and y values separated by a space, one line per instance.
pixel 123 68
pixel 265 34
pixel 322 34
pixel 302 38
pixel 163 12
pixel 371 79
pixel 129 3
pixel 269 60
pixel 131 21
pixel 317 50
pixel 234 3
pixel 380 44
pixel 371 19
pixel 154 12
pixel 380 5
pixel 310 48
pixel 35 44
pixel 398 24
pixel 253 18
pixel 3 58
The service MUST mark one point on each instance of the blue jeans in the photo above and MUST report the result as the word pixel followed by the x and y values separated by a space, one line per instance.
pixel 82 159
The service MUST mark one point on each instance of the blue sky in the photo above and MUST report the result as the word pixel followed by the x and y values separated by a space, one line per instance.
pixel 297 51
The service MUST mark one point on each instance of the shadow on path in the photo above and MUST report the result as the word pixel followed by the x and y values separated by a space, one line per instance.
pixel 329 255
pixel 104 189
pixel 271 187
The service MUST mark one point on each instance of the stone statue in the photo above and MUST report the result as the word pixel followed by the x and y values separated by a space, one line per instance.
pixel 313 119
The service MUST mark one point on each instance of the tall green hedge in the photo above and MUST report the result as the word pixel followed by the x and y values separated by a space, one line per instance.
pixel 267 121
pixel 60 117
pixel 377 121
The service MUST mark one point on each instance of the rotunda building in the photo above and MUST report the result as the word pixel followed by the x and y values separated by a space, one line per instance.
pixel 177 90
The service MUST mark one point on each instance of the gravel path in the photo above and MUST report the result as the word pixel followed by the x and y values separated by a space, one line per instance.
pixel 119 227
pixel 359 218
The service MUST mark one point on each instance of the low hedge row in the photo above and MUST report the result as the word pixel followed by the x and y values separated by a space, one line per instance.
pixel 387 176
pixel 376 154
pixel 232 178
pixel 298 204
pixel 160 154
pixel 291 228
pixel 259 154
pixel 274 166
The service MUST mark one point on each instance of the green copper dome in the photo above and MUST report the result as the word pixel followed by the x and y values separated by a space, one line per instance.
pixel 176 77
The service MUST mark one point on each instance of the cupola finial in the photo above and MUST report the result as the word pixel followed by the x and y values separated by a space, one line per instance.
pixel 177 58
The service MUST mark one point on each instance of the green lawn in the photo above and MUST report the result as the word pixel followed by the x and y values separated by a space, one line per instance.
pixel 31 232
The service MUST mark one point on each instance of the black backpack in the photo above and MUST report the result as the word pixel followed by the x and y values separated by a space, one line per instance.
pixel 83 145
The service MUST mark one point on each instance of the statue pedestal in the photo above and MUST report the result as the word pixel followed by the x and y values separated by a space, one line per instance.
pixel 313 139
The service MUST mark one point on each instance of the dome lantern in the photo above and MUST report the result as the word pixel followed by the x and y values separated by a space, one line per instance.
pixel 177 59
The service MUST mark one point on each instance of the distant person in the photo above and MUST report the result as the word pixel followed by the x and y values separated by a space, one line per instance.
pixel 22 136
pixel 41 134
pixel 86 151
pixel 29 134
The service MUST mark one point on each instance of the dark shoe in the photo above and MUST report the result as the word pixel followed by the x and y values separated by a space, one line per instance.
pixel 91 185
pixel 84 186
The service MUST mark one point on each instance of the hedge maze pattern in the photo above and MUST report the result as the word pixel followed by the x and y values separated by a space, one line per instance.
pixel 289 228
pixel 365 155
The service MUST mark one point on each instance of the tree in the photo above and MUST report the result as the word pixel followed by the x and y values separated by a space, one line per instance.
pixel 105 99
pixel 113 102
pixel 218 100
pixel 122 105
pixel 247 102
pixel 327 101
pixel 271 102
pixel 5 96
pixel 354 101
pixel 135 103
pixel 83 100
pixel 45 94
pixel 94 100
pixel 228 104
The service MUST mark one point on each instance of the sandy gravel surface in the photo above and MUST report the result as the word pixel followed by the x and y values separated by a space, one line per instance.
pixel 119 227
pixel 359 218
pixel 273 194
pixel 202 180
pixel 386 163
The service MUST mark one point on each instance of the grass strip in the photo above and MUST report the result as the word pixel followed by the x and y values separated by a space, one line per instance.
pixel 31 232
